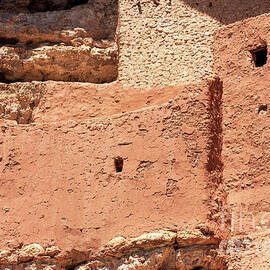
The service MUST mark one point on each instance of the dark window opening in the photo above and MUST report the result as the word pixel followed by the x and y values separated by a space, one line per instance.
pixel 262 108
pixel 210 4
pixel 118 164
pixel 259 56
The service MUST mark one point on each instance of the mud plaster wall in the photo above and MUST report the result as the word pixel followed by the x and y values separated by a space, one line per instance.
pixel 168 42
pixel 245 102
pixel 52 176
pixel 246 139
pixel 39 102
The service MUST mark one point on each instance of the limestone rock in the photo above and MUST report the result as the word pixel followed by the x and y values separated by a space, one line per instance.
pixel 30 251
pixel 189 237
pixel 56 45
pixel 52 251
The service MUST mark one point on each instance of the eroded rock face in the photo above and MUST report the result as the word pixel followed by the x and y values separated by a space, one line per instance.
pixel 58 40
pixel 82 63
pixel 156 250
pixel 17 101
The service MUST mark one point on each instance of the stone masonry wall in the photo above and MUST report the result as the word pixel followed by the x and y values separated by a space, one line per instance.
pixel 168 42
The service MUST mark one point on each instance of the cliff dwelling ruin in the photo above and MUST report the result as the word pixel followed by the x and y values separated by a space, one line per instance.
pixel 134 135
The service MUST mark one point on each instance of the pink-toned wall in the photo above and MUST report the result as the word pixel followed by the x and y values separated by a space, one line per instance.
pixel 59 184
pixel 246 139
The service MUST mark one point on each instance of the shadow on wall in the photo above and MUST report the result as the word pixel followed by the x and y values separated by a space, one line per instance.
pixel 230 11
pixel 53 5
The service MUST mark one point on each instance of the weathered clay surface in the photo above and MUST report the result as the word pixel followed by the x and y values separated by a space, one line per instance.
pixel 155 190
pixel 80 101
pixel 112 176
pixel 246 140
pixel 152 183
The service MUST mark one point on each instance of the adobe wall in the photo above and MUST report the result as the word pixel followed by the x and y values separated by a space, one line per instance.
pixel 194 156
pixel 59 185
pixel 246 139
pixel 39 102
pixel 167 42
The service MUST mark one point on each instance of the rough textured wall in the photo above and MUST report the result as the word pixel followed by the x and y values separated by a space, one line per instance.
pixel 169 42
pixel 234 45
pixel 76 43
pixel 78 161
pixel 17 101
pixel 153 181
pixel 40 101
pixel 246 145
pixel 60 187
